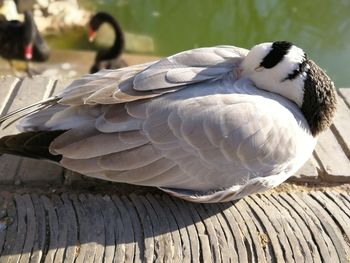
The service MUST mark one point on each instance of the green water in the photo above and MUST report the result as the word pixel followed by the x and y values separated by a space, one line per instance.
pixel 321 28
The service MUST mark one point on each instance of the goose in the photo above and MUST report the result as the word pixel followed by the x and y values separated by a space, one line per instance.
pixel 22 41
pixel 206 125
pixel 107 58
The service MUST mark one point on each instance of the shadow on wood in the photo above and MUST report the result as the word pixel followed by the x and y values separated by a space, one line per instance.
pixel 144 228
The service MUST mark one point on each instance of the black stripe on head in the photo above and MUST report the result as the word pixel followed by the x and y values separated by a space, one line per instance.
pixel 278 51
pixel 301 69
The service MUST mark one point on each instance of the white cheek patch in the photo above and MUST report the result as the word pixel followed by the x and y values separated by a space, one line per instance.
pixel 295 55
pixel 254 58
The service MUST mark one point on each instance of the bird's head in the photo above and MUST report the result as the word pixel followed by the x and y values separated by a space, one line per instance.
pixel 95 22
pixel 285 69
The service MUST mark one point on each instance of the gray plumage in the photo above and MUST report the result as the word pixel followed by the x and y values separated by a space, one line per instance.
pixel 186 124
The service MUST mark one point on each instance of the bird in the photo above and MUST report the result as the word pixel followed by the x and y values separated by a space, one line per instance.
pixel 211 124
pixel 22 41
pixel 107 58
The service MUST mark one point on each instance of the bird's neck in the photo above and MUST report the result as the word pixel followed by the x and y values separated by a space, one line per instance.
pixel 319 102
pixel 29 31
pixel 118 45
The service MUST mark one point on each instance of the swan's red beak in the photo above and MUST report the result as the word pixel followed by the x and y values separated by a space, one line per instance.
pixel 28 51
pixel 92 34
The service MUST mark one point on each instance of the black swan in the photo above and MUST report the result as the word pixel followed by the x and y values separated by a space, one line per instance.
pixel 107 58
pixel 22 41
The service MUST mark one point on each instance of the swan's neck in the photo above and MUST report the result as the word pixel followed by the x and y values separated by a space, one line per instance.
pixel 117 48
pixel 29 31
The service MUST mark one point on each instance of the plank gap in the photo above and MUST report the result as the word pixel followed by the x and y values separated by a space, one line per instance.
pixel 12 93
pixel 341 141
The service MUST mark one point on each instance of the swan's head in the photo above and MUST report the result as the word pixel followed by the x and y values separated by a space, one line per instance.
pixel 96 21
pixel 285 69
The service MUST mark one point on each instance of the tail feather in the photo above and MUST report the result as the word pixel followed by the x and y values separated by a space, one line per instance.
pixel 34 144
pixel 13 116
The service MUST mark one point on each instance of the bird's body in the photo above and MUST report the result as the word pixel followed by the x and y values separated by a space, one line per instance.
pixel 22 40
pixel 15 35
pixel 109 58
pixel 187 124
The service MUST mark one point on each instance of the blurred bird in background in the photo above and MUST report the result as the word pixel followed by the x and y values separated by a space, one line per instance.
pixel 22 41
pixel 109 58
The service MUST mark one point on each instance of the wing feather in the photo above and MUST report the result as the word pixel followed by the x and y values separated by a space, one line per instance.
pixel 131 159
pixel 188 67
pixel 116 119
pixel 141 175
pixel 88 143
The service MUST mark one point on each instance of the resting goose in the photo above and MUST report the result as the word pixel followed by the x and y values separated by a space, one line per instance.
pixel 206 125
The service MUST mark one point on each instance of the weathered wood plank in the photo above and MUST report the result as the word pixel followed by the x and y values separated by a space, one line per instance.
pixel 342 120
pixel 329 225
pixel 210 229
pixel 124 228
pixel 40 235
pixel 336 212
pixel 227 242
pixel 249 229
pixel 185 241
pixel 21 230
pixel 8 163
pixel 308 227
pixel 60 85
pixel 31 171
pixel 191 229
pixel 268 230
pixel 97 219
pixel 18 169
pixel 11 231
pixel 345 94
pixel 271 215
pixel 308 172
pixel 87 219
pixel 133 232
pixel 62 226
pixel 86 248
pixel 159 249
pixel 310 247
pixel 163 229
pixel 39 172
pixel 72 245
pixel 31 229
pixel 325 244
pixel 291 230
pixel 240 239
pixel 334 161
pixel 109 221
pixel 8 88
pixel 149 253
pixel 340 199
pixel 52 226
pixel 202 235
pixel 30 91
pixel 3 222
pixel 176 244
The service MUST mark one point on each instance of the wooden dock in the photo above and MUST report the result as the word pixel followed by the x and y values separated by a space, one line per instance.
pixel 48 214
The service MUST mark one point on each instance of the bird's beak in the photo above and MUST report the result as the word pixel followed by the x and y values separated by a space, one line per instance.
pixel 92 34
pixel 260 68
pixel 28 51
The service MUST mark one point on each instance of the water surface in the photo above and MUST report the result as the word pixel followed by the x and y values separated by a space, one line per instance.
pixel 321 28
